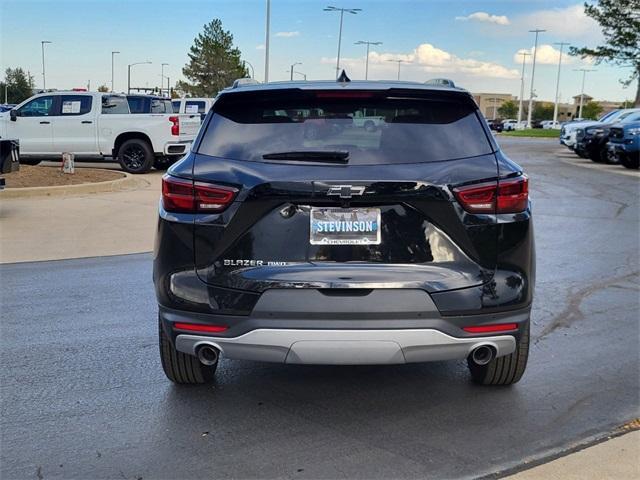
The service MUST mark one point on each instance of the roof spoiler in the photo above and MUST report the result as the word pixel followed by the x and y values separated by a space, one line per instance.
pixel 441 82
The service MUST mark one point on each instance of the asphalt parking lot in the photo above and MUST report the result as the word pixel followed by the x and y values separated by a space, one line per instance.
pixel 83 394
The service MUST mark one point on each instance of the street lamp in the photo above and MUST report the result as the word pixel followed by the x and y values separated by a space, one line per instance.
pixel 533 72
pixel 44 79
pixel 524 59
pixel 129 73
pixel 293 65
pixel 584 74
pixel 112 55
pixel 162 65
pixel 399 62
pixel 353 11
pixel 366 63
pixel 266 43
pixel 304 75
pixel 555 108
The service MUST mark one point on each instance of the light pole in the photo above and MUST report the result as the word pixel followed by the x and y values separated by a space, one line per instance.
pixel 266 43
pixel 533 72
pixel 399 62
pixel 524 59
pixel 353 11
pixel 304 75
pixel 112 55
pixel 253 72
pixel 129 73
pixel 44 78
pixel 366 62
pixel 584 74
pixel 162 77
pixel 293 65
pixel 555 108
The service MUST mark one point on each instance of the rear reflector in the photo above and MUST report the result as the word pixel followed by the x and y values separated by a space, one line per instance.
pixel 196 327
pixel 185 196
pixel 504 196
pixel 502 327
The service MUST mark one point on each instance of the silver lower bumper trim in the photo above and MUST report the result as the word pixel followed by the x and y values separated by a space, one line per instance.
pixel 346 347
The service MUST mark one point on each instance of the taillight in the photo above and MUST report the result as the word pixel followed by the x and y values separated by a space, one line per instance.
pixel 502 327
pixel 175 125
pixel 503 196
pixel 185 196
pixel 197 327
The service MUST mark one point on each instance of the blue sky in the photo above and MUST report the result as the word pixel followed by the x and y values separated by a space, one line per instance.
pixel 472 42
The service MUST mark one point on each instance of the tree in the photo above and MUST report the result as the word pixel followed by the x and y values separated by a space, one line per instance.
pixel 508 109
pixel 214 63
pixel 591 110
pixel 543 111
pixel 18 84
pixel 103 88
pixel 620 22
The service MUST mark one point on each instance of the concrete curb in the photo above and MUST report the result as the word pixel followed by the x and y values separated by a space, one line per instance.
pixel 128 182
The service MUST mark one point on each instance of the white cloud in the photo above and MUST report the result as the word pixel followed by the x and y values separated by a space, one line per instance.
pixel 568 22
pixel 547 55
pixel 261 47
pixel 430 60
pixel 287 34
pixel 485 17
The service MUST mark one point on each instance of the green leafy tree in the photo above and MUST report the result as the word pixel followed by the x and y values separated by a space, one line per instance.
pixel 508 109
pixel 103 88
pixel 543 111
pixel 620 22
pixel 214 63
pixel 18 85
pixel 591 110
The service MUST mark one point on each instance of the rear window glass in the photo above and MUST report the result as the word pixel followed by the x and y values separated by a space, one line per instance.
pixel 149 105
pixel 75 105
pixel 373 128
pixel 193 106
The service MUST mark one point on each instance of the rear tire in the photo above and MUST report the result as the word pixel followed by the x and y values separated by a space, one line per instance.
pixel 162 163
pixel 630 161
pixel 135 156
pixel 505 370
pixel 181 368
pixel 29 161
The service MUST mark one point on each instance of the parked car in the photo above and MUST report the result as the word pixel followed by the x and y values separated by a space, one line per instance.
pixel 5 107
pixel 200 106
pixel 591 141
pixel 551 125
pixel 568 130
pixel 509 124
pixel 97 125
pixel 398 245
pixel 495 125
pixel 624 143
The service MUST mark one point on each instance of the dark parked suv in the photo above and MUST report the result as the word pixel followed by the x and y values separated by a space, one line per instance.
pixel 410 242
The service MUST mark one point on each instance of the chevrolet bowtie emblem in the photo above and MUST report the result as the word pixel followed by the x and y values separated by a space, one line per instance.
pixel 346 191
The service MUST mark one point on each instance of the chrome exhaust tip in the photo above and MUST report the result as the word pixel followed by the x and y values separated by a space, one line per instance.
pixel 482 354
pixel 208 355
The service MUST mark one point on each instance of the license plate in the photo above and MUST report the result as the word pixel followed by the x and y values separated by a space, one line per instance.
pixel 345 226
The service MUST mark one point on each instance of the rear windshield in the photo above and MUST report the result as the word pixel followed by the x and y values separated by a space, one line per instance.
pixel 374 128
pixel 149 105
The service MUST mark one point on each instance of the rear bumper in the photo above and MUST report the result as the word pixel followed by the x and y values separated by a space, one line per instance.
pixel 177 148
pixel 345 347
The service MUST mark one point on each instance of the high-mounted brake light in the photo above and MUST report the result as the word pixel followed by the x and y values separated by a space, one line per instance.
pixel 503 196
pixel 185 196
pixel 502 327
pixel 343 94
pixel 175 125
pixel 196 327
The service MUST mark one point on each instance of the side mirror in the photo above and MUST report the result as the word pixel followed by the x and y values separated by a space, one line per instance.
pixel 13 115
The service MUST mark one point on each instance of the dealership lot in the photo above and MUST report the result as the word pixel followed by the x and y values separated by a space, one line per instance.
pixel 84 395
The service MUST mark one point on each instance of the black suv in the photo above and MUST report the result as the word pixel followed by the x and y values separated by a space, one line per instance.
pixel 291 233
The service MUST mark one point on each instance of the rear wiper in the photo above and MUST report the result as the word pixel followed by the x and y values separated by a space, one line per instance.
pixel 310 156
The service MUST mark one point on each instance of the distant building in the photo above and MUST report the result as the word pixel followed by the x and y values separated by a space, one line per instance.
pixel 606 105
pixel 489 103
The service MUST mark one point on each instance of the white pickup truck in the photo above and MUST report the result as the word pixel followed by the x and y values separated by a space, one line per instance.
pixel 98 125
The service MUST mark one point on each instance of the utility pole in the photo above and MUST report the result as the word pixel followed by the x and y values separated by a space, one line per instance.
pixel 353 11
pixel 399 62
pixel 366 62
pixel 112 86
pixel 162 77
pixel 44 78
pixel 291 69
pixel 266 43
pixel 584 75
pixel 524 59
pixel 533 72
pixel 555 108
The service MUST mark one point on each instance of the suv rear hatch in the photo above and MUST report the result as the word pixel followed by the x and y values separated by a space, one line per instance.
pixel 317 201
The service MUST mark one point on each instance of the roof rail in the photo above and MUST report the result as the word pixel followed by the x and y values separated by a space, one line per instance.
pixel 244 81
pixel 440 82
